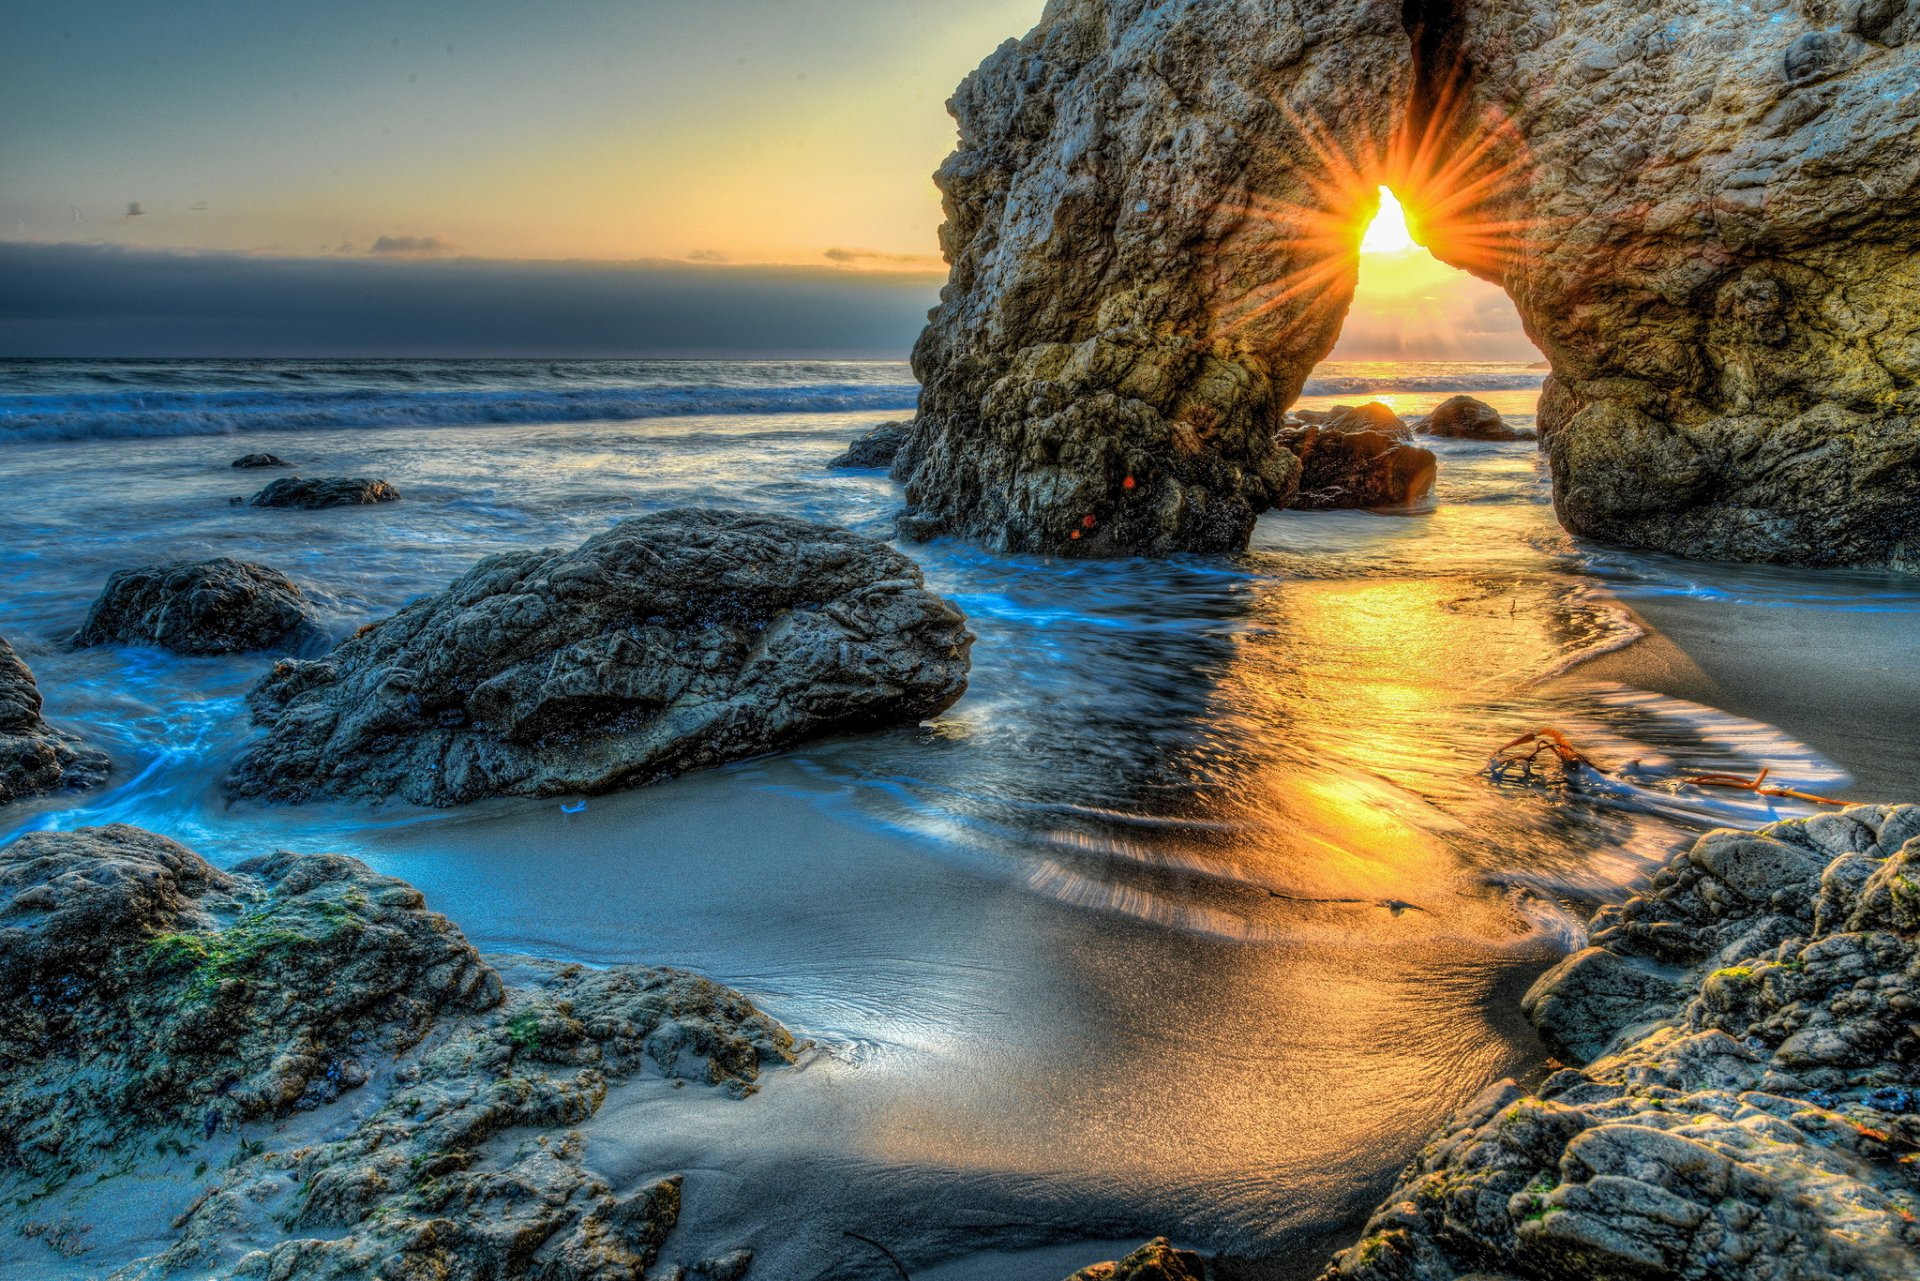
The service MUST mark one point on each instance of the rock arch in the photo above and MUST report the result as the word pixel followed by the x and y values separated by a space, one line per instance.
pixel 1705 214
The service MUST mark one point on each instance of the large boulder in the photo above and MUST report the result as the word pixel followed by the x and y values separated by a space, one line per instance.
pixel 36 758
pixel 671 642
pixel 1749 1100
pixel 874 450
pixel 209 607
pixel 335 491
pixel 160 1016
pixel 1464 418
pixel 1357 467
pixel 1704 217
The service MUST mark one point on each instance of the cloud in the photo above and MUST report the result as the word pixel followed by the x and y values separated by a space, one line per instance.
pixel 707 255
pixel 412 246
pixel 68 299
pixel 133 209
pixel 880 258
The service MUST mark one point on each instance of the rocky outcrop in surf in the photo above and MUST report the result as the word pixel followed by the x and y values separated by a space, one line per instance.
pixel 1465 418
pixel 1705 221
pixel 672 642
pixel 335 491
pixel 1157 1260
pixel 875 449
pixel 1748 1105
pixel 208 607
pixel 160 1016
pixel 1359 458
pixel 36 758
pixel 256 462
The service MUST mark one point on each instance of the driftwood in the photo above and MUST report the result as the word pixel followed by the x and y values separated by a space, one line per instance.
pixel 1546 739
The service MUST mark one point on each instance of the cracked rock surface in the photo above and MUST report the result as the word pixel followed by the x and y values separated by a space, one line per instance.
pixel 1705 219
pixel 672 642
pixel 1748 1105
pixel 161 1015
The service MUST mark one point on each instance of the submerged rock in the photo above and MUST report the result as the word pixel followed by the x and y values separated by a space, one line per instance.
pixel 293 491
pixel 1705 221
pixel 1346 465
pixel 36 758
pixel 1464 418
pixel 157 1014
pixel 672 642
pixel 1758 1122
pixel 876 449
pixel 210 607
pixel 250 462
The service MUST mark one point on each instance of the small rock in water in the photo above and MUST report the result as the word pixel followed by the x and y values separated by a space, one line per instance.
pixel 211 607
pixel 876 449
pixel 1464 418
pixel 36 758
pixel 292 491
pixel 1359 458
pixel 249 462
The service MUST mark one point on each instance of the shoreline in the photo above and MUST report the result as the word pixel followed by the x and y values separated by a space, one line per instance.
pixel 1832 678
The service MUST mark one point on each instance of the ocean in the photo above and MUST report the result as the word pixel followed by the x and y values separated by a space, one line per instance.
pixel 1192 916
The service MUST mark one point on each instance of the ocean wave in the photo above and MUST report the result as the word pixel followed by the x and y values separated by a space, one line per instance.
pixel 1388 383
pixel 112 415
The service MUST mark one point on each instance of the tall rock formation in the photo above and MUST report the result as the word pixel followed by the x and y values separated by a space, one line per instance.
pixel 1706 216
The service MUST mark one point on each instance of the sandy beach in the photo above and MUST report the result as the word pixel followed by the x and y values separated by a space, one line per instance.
pixel 1846 682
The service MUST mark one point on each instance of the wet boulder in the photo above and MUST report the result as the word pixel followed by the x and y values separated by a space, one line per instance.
pixel 152 1006
pixel 876 449
pixel 1157 1260
pixel 1346 465
pixel 1747 1098
pixel 257 462
pixel 671 642
pixel 36 758
pixel 1372 416
pixel 336 491
pixel 1464 418
pixel 209 607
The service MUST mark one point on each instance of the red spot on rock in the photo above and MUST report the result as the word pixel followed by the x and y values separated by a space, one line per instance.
pixel 1074 534
pixel 1127 483
pixel 1088 522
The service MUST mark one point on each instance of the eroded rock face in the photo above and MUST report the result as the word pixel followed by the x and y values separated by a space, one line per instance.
pixel 1705 219
pixel 672 642
pixel 1758 1121
pixel 36 758
pixel 158 1015
pixel 875 449
pixel 211 607
pixel 335 491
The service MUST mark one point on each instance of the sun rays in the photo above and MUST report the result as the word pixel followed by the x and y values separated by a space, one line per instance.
pixel 1442 178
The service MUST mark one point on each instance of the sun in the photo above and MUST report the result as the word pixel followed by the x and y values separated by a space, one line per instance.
pixel 1388 233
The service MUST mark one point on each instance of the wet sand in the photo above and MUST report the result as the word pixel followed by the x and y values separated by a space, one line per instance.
pixel 1845 681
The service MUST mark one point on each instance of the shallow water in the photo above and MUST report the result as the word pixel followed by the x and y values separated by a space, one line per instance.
pixel 1194 915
